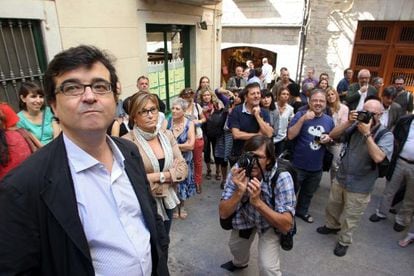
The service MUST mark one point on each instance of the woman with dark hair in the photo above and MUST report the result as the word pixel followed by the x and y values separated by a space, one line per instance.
pixel 204 82
pixel 35 116
pixel 161 155
pixel 13 147
pixel 323 84
pixel 194 112
pixel 267 102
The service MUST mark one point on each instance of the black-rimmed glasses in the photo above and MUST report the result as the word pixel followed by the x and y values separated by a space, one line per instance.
pixel 146 112
pixel 100 87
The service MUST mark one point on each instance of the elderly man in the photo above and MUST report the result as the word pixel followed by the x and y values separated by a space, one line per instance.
pixel 359 91
pixel 309 131
pixel 368 143
pixel 81 205
pixel 237 82
pixel 267 72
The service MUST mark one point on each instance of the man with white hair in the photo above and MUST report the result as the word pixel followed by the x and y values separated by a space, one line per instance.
pixel 267 70
pixel 359 91
pixel 367 143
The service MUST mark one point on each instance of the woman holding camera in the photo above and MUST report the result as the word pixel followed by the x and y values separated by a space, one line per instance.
pixel 163 162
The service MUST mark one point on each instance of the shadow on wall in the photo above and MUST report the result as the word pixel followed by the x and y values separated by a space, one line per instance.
pixel 252 9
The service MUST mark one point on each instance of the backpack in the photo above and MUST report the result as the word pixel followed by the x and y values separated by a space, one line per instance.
pixel 214 126
pixel 283 165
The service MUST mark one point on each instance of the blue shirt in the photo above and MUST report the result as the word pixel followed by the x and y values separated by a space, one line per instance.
pixel 342 86
pixel 110 213
pixel 308 153
pixel 242 119
pixel 247 216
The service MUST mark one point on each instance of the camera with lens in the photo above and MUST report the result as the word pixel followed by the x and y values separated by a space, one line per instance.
pixel 231 101
pixel 364 116
pixel 247 161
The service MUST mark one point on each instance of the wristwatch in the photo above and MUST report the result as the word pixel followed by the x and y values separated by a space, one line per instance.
pixel 162 177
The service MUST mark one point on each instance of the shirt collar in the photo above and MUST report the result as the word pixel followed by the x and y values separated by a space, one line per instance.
pixel 81 160
pixel 244 109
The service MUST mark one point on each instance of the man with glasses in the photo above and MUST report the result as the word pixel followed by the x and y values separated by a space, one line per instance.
pixel 81 205
pixel 359 91
pixel 351 190
pixel 309 132
pixel 404 98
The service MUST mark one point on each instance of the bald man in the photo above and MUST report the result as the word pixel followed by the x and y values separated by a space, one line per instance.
pixel 368 144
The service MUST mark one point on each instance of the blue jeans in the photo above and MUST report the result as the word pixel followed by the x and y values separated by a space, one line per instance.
pixel 308 183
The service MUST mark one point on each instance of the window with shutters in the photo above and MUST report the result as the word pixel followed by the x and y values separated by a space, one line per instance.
pixel 386 49
pixel 22 57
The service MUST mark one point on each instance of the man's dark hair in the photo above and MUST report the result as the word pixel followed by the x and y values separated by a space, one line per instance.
pixel 399 78
pixel 346 70
pixel 250 86
pixel 389 92
pixel 74 58
pixel 258 72
pixel 256 142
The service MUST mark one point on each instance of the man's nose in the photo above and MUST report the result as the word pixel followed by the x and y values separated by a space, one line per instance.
pixel 88 95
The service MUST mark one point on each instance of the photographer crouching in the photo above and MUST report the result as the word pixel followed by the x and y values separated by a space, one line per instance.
pixel 250 206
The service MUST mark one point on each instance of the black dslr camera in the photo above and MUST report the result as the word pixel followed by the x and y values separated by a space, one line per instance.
pixel 247 161
pixel 364 116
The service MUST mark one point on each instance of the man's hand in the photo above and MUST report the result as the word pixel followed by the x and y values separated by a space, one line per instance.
pixel 364 88
pixel 353 114
pixel 309 115
pixel 240 179
pixel 365 129
pixel 256 111
pixel 253 187
pixel 325 139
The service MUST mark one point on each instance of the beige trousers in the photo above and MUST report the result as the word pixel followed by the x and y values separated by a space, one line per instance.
pixel 268 248
pixel 350 206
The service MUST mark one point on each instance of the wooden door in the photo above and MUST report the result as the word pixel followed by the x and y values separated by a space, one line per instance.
pixel 386 48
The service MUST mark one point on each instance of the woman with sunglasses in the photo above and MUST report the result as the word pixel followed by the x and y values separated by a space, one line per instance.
pixel 194 112
pixel 163 162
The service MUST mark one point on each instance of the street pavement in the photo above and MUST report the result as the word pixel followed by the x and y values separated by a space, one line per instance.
pixel 199 246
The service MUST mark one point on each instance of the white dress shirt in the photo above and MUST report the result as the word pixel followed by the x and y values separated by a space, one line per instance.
pixel 110 213
pixel 360 105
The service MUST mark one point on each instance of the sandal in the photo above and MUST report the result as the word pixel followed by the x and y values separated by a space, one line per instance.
pixel 183 213
pixel 308 218
pixel 407 240
pixel 208 175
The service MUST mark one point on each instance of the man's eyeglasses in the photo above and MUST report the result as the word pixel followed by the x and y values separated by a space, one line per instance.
pixel 100 87
pixel 146 112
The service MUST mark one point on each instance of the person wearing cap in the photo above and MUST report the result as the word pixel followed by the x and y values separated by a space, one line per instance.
pixel 13 147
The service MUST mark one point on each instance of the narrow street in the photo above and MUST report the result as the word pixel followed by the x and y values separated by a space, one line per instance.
pixel 199 246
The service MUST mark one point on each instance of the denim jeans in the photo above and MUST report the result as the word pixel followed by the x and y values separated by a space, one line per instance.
pixel 308 183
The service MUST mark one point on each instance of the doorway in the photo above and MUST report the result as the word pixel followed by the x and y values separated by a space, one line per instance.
pixel 168 52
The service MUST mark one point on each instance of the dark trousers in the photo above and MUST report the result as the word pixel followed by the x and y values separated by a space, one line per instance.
pixel 209 144
pixel 308 183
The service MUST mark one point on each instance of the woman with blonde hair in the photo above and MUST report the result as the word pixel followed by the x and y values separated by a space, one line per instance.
pixel 163 162
pixel 339 113
pixel 210 104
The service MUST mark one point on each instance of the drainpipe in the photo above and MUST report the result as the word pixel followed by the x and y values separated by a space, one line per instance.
pixel 302 40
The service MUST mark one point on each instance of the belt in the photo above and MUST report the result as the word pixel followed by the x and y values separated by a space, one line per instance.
pixel 406 160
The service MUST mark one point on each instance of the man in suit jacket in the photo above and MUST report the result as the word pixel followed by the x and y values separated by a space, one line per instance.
pixel 359 91
pixel 392 110
pixel 81 205
pixel 237 82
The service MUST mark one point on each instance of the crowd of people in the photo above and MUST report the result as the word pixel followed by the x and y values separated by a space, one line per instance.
pixel 251 124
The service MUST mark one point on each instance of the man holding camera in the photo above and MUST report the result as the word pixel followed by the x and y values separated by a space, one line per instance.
pixel 251 205
pixel 366 145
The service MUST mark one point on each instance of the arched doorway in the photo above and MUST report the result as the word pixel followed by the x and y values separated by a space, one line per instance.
pixel 237 56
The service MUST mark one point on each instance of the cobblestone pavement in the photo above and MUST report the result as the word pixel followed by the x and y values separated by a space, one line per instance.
pixel 198 244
